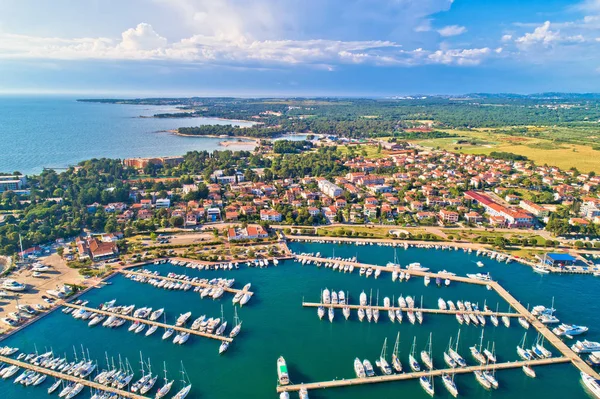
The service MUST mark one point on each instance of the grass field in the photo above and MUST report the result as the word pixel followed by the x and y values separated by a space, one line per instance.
pixel 541 151
pixel 371 150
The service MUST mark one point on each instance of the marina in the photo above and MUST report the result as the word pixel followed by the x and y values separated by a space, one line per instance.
pixel 277 310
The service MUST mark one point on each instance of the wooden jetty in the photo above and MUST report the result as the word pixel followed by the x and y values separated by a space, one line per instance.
pixel 176 280
pixel 413 375
pixel 390 269
pixel 71 378
pixel 413 309
pixel 152 323
pixel 545 331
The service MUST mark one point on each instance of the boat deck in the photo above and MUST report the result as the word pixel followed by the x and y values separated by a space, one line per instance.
pixel 152 323
pixel 175 280
pixel 413 375
pixel 67 377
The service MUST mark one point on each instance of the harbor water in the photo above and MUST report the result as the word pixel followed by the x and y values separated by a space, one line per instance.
pixel 275 324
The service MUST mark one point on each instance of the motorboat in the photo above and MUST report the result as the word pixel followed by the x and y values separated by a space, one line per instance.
pixel 585 346
pixel 416 266
pixel 569 330
pixel 13 285
pixel 591 384
pixel 480 276
pixel 282 371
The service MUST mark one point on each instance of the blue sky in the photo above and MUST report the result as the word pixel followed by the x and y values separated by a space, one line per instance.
pixel 298 47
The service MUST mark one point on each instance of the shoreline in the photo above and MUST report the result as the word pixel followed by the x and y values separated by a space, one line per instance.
pixel 227 142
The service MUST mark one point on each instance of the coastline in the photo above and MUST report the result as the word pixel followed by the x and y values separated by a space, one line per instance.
pixel 249 141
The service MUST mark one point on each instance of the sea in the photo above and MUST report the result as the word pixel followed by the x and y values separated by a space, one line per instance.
pixel 276 324
pixel 56 132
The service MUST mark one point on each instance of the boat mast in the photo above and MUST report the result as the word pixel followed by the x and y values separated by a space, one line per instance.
pixel 165 369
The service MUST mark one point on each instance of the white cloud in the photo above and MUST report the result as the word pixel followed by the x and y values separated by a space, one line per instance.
pixel 506 38
pixel 543 35
pixel 452 30
pixel 142 37
pixel 465 57
pixel 144 43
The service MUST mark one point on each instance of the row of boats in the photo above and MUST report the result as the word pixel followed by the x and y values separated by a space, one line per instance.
pixel 121 377
pixel 485 357
pixel 210 325
pixel 217 266
pixel 213 288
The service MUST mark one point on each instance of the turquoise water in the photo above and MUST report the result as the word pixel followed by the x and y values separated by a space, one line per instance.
pixel 274 324
pixel 59 131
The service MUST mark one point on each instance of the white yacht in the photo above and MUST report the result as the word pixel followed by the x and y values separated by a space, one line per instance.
pixel 382 362
pixel 569 330
pixel 368 368
pixel 326 296
pixel 592 384
pixel 13 285
pixel 427 384
pixel 416 266
pixel 585 346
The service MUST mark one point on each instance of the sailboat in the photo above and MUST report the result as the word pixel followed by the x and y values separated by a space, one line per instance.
pixel 426 355
pixel 167 385
pixel 447 358
pixel 506 320
pixel 346 309
pixel 476 353
pixel 448 381
pixel 396 363
pixel 186 386
pixel 376 310
pixel 521 351
pixel 427 384
pixel 482 380
pixel 382 362
pixel 414 365
pixel 454 353
pixel 238 325
pixel 494 317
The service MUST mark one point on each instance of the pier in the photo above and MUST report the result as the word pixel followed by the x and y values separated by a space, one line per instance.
pixel 148 322
pixel 545 331
pixel 416 375
pixel 390 269
pixel 67 377
pixel 407 309
pixel 175 280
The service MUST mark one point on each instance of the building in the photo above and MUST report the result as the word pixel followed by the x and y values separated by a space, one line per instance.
pixel 270 215
pixel 252 232
pixel 141 163
pixel 213 214
pixel 559 260
pixel 95 249
pixel 329 189
pixel 535 209
pixel 448 216
pixel 512 217
pixel 12 183
pixel 162 203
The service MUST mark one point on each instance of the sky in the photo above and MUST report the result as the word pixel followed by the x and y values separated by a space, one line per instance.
pixel 298 47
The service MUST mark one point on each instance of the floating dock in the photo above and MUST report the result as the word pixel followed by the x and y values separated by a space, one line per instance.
pixel 152 323
pixel 412 375
pixel 176 280
pixel 413 309
pixel 67 377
